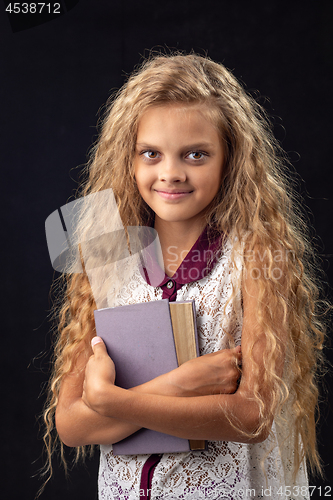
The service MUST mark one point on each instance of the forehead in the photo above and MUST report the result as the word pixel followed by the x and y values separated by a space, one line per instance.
pixel 179 120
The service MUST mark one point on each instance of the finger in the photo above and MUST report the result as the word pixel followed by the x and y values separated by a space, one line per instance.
pixel 238 356
pixel 238 352
pixel 97 345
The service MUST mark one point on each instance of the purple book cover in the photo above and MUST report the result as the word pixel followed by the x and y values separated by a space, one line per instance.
pixel 139 339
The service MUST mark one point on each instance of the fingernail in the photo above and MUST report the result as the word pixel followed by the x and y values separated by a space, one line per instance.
pixel 96 340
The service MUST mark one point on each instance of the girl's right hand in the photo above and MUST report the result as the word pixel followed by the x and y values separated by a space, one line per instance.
pixel 215 373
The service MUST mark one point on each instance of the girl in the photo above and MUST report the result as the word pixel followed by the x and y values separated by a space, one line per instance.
pixel 188 152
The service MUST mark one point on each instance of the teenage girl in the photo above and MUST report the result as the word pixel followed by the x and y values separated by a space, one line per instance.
pixel 188 152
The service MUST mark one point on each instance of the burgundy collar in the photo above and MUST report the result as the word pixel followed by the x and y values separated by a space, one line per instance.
pixel 197 264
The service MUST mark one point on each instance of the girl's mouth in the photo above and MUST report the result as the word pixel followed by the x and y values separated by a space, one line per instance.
pixel 173 195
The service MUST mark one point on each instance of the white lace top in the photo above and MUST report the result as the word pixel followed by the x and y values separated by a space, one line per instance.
pixel 226 470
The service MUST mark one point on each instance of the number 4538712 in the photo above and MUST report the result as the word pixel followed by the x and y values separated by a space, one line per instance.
pixel 33 8
pixel 304 491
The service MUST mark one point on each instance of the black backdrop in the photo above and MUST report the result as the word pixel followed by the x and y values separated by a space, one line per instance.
pixel 54 78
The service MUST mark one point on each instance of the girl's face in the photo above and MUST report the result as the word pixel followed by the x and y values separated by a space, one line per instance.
pixel 178 162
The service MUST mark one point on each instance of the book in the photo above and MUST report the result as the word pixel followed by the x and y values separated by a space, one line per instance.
pixel 147 340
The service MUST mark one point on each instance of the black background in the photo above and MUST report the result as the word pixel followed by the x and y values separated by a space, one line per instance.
pixel 55 77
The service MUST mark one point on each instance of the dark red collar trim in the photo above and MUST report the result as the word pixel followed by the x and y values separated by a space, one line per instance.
pixel 197 264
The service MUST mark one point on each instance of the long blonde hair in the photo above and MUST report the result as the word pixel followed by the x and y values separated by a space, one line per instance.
pixel 255 199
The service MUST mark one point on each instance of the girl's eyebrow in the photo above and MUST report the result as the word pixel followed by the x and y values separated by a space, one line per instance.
pixel 145 145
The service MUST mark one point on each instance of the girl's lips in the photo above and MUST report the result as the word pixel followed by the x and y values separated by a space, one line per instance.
pixel 169 195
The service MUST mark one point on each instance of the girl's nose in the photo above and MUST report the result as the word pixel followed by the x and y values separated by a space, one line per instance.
pixel 172 171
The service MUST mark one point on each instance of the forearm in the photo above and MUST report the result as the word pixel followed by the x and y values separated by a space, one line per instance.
pixel 194 401
pixel 216 417
pixel 79 425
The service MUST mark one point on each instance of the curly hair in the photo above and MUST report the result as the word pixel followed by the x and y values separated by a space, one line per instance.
pixel 255 206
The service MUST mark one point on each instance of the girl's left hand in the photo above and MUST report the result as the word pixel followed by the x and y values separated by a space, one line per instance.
pixel 100 374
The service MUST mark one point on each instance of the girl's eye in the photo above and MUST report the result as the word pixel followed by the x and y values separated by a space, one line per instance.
pixel 151 155
pixel 196 155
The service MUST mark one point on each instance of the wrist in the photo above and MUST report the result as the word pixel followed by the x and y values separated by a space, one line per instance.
pixel 176 384
pixel 163 385
pixel 99 398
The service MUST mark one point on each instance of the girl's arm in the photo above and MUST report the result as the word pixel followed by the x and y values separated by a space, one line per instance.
pixel 78 424
pixel 75 421
pixel 197 417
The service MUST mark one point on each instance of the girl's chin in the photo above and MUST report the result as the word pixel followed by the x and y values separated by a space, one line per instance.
pixel 174 219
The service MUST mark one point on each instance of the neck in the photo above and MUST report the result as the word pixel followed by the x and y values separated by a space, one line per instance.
pixel 177 239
